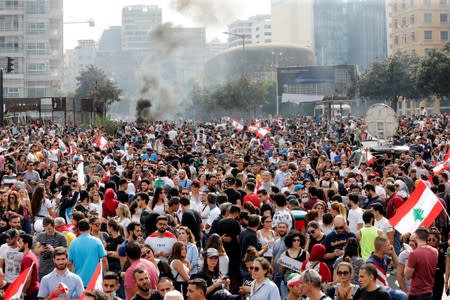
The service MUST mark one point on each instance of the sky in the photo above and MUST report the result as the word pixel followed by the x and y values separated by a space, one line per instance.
pixel 108 13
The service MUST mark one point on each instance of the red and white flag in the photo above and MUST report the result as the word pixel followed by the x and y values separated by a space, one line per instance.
pixel 443 166
pixel 15 290
pixel 96 280
pixel 237 125
pixel 420 210
pixel 102 143
pixel 370 159
pixel 259 131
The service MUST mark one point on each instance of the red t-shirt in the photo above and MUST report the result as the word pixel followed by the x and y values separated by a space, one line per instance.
pixel 253 198
pixel 27 260
pixel 424 261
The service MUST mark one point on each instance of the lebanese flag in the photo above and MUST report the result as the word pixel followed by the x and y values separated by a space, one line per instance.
pixel 259 131
pixel 15 290
pixel 96 280
pixel 443 166
pixel 63 147
pixel 237 125
pixel 102 143
pixel 369 157
pixel 420 210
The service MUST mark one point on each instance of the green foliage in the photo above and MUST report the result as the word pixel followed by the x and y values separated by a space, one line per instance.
pixel 391 78
pixel 93 83
pixel 434 72
pixel 108 125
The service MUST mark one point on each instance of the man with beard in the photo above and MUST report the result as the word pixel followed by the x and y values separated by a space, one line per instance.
pixel 110 285
pixel 279 247
pixel 49 239
pixel 142 281
pixel 134 233
pixel 51 283
pixel 29 259
pixel 165 284
pixel 162 240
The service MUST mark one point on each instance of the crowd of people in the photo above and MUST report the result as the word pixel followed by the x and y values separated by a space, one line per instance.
pixel 183 210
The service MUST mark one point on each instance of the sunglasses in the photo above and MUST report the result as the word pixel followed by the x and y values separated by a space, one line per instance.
pixel 339 227
pixel 145 253
pixel 296 240
pixel 256 269
pixel 342 273
pixel 432 240
pixel 184 193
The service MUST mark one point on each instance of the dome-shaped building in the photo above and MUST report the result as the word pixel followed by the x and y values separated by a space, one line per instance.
pixel 259 62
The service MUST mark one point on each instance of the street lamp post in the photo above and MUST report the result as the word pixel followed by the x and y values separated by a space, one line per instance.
pixel 242 37
pixel 277 102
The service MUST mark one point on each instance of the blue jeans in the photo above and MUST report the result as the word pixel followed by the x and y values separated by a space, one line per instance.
pixel 397 294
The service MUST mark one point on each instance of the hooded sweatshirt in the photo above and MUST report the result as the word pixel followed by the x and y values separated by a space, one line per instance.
pixel 110 203
pixel 315 261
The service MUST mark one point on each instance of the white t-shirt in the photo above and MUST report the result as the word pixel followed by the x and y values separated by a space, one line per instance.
pixel 161 244
pixel 12 258
pixel 355 218
pixel 43 212
pixel 213 214
pixel 384 225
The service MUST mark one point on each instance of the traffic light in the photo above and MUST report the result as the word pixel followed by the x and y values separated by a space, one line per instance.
pixel 10 66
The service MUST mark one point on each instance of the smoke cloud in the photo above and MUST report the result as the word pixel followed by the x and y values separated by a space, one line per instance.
pixel 212 13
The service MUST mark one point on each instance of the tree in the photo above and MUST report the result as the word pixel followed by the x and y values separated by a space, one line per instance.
pixel 390 79
pixel 434 71
pixel 93 83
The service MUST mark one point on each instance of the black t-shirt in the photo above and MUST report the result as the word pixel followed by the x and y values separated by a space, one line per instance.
pixel 111 245
pixel 156 296
pixel 378 294
pixel 192 220
pixel 137 297
pixel 313 241
pixel 233 195
pixel 231 228
pixel 248 238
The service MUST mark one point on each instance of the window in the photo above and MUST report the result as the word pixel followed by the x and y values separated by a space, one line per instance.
pixel 395 23
pixel 405 39
pixel 443 2
pixel 427 2
pixel 404 22
pixel 268 33
pixel 427 17
pixel 443 18
pixel 428 35
pixel 413 36
pixel 429 51
pixel 37 68
pixel 36 28
pixel 444 35
pixel 411 19
pixel 267 26
pixel 257 28
pixel 396 40
pixel 37 48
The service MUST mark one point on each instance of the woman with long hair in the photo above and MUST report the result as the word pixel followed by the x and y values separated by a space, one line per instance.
pixel 95 202
pixel 186 236
pixel 215 241
pixel 344 289
pixel 14 204
pixel 210 272
pixel 25 202
pixel 123 215
pixel 266 236
pixel 180 266
pixel 41 206
pixel 158 204
pixel 262 287
pixel 352 254
pixel 162 266
pixel 113 241
pixel 96 224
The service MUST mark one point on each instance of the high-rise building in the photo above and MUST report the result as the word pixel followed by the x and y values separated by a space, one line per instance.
pixel 367 32
pixel 31 32
pixel 76 60
pixel 330 32
pixel 137 23
pixel 417 27
pixel 237 29
pixel 293 22
pixel 350 32
pixel 256 30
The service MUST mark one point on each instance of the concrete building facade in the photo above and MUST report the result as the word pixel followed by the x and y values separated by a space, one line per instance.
pixel 417 27
pixel 137 23
pixel 256 30
pixel 76 60
pixel 31 32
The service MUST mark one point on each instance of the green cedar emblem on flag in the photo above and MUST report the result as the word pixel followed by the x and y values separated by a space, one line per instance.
pixel 418 214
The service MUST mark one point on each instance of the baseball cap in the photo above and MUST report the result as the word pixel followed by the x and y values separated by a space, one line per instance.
pixel 211 252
